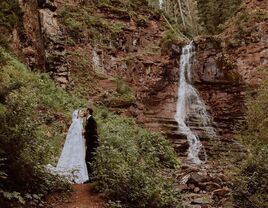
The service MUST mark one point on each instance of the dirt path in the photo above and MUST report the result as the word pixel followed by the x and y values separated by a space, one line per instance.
pixel 82 196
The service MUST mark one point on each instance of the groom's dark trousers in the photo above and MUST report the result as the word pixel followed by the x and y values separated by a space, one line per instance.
pixel 91 136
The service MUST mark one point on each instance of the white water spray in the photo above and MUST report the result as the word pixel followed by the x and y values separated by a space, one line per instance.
pixel 188 103
pixel 161 3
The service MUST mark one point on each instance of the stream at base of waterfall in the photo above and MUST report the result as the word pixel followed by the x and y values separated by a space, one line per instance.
pixel 189 104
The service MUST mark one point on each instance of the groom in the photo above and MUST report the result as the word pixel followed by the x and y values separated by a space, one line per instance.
pixel 91 136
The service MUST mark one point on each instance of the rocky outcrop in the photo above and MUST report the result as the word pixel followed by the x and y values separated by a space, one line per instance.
pixel 32 47
pixel 42 45
pixel 54 42
pixel 204 186
pixel 220 85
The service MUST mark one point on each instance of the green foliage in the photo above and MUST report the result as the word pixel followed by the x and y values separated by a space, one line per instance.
pixel 257 114
pixel 127 7
pixel 10 14
pixel 132 165
pixel 84 23
pixel 169 38
pixel 246 20
pixel 122 96
pixel 182 16
pixel 81 24
pixel 252 181
pixel 213 13
pixel 10 18
pixel 34 115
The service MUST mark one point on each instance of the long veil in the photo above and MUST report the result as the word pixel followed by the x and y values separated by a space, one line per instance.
pixel 72 164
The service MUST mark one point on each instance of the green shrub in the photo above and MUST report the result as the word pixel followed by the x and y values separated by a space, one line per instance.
pixel 10 14
pixel 132 165
pixel 10 18
pixel 252 181
pixel 34 115
pixel 213 13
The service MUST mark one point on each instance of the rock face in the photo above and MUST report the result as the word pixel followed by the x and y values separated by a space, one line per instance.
pixel 32 47
pixel 43 44
pixel 54 42
pixel 220 85
pixel 222 70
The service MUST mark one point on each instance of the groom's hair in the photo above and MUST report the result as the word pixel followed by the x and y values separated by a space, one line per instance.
pixel 90 111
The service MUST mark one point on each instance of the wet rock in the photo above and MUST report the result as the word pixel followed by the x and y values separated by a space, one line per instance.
pixel 62 80
pixel 191 186
pixel 185 179
pixel 209 186
pixel 203 200
pixel 196 189
pixel 198 177
pixel 221 192
pixel 182 187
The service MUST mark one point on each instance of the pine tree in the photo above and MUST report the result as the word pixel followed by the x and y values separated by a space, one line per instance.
pixel 212 13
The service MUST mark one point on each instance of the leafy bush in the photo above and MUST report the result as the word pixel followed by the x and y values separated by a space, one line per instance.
pixel 252 181
pixel 10 18
pixel 34 118
pixel 132 165
pixel 10 14
pixel 122 97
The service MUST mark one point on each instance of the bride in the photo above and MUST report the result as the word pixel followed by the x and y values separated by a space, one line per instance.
pixel 72 164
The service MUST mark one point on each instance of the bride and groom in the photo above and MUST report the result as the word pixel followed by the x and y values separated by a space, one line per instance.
pixel 79 149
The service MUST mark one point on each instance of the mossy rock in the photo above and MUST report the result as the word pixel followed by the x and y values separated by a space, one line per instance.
pixel 232 76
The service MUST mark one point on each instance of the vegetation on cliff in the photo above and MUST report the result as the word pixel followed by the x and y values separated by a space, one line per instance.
pixel 214 13
pixel 87 23
pixel 10 18
pixel 244 26
pixel 34 116
pixel 252 182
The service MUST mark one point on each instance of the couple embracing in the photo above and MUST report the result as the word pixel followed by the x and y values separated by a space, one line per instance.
pixel 75 163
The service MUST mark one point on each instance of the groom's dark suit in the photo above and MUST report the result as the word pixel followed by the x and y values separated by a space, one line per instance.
pixel 91 136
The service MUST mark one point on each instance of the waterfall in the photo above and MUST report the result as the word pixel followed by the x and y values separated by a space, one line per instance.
pixel 191 106
pixel 161 2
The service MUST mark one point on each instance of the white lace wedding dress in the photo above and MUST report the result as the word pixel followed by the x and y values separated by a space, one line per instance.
pixel 72 164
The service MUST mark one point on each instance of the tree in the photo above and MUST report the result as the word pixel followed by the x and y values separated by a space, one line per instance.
pixel 213 13
pixel 183 14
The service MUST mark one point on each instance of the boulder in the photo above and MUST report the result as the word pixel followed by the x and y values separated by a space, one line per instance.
pixel 206 199
pixel 49 22
pixel 196 189
pixel 198 177
pixel 221 192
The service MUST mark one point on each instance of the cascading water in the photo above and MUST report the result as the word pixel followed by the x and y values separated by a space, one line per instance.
pixel 190 104
pixel 161 2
